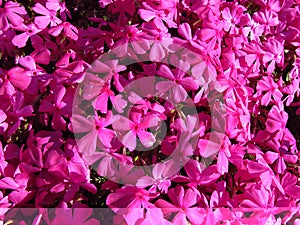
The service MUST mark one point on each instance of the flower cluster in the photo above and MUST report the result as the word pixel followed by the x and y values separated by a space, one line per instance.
pixel 164 111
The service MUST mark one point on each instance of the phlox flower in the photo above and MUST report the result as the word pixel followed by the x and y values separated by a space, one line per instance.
pixel 48 17
pixel 104 3
pixel 11 14
pixel 159 179
pixel 61 107
pixel 267 19
pixel 67 29
pixel 18 185
pixel 279 159
pixel 232 18
pixel 158 17
pixel 77 216
pixel 57 5
pixel 182 203
pixel 98 91
pixel 274 54
pixel 177 84
pixel 95 128
pixel 161 42
pixel 20 40
pixel 122 8
pixel 135 126
pixel 130 202
pixel 267 85
pixel 14 78
pixel 153 215
pixel 131 37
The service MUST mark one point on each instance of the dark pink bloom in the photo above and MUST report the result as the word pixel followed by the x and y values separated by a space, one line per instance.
pixel 104 3
pixel 153 215
pixel 6 45
pixel 274 54
pixel 16 77
pixel 60 107
pixel 161 42
pixel 19 185
pixel 267 19
pixel 3 124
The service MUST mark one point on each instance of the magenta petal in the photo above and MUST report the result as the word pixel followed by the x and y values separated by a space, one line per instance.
pixel 129 140
pixel 157 52
pixel 20 40
pixel 105 136
pixel 41 21
pixel 147 139
pixel 185 31
pixel 146 15
pixel 179 93
pixel 19 78
pixel 145 181
pixel 8 183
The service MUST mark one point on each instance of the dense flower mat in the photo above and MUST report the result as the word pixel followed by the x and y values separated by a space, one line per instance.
pixel 149 112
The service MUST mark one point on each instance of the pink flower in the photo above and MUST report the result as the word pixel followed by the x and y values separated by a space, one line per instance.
pixel 61 107
pixel 122 8
pixel 279 159
pixel 257 196
pixel 77 216
pixel 177 84
pixel 232 18
pixel 18 184
pixel 267 19
pixel 161 42
pixel 276 121
pixel 134 198
pixel 11 13
pixel 159 179
pixel 104 3
pixel 21 39
pixel 289 183
pixel 57 5
pixel 267 85
pixel 131 37
pixel 49 17
pixel 182 202
pixel 153 215
pixel 158 17
pixel 68 30
pixel 135 126
pixel 95 128
pixel 16 77
pixel 274 54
